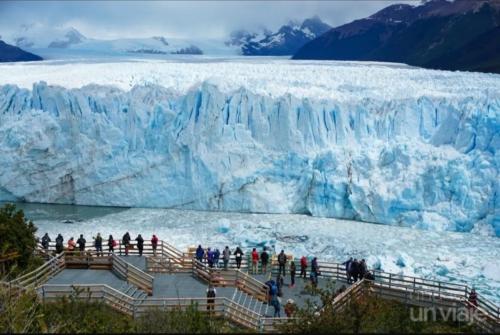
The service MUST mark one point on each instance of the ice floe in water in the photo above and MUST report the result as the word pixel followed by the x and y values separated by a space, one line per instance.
pixel 457 257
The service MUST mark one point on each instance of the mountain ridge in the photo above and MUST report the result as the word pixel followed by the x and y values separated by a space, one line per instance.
pixel 430 35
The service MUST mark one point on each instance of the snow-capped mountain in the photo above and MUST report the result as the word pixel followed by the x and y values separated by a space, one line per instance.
pixel 373 142
pixel 286 41
pixel 451 35
pixel 56 42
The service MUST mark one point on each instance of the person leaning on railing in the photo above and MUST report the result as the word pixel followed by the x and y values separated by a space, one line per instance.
pixel 226 256
pixel 264 259
pixel 111 245
pixel 59 244
pixel 154 244
pixel 71 244
pixel 140 244
pixel 126 242
pixel 98 245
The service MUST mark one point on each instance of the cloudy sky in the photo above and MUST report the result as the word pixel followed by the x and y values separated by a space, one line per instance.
pixel 112 19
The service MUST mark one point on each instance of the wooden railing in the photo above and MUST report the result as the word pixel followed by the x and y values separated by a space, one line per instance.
pixel 41 274
pixel 134 307
pixel 232 278
pixel 132 274
pixel 87 260
pixel 413 289
pixel 434 288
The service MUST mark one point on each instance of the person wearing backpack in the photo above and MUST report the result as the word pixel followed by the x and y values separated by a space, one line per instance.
pixel 126 242
pixel 282 262
pixel 239 256
pixel 45 242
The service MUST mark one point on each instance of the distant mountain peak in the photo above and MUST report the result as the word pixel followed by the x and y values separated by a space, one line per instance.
pixel 285 41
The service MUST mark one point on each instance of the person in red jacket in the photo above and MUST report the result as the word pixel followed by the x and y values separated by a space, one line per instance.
pixel 255 260
pixel 303 267
pixel 154 243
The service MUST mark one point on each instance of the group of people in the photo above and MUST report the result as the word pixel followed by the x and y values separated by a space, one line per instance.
pixel 213 257
pixel 356 270
pixel 275 288
pixel 81 243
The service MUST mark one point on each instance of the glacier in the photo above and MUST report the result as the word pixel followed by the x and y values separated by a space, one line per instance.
pixel 374 142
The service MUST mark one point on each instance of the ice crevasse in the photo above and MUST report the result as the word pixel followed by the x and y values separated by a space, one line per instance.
pixel 430 161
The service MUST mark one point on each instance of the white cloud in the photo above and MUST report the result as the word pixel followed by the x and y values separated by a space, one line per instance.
pixel 111 19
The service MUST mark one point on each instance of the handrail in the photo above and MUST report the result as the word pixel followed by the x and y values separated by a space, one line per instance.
pixel 185 261
pixel 133 274
pixel 134 307
pixel 443 289
pixel 41 274
pixel 231 277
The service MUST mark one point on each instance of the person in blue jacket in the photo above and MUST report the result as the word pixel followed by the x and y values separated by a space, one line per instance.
pixel 200 253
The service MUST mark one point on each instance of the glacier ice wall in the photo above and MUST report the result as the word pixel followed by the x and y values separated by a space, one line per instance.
pixel 428 162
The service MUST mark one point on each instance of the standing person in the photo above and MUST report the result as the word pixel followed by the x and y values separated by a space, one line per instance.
pixel 473 298
pixel 282 262
pixel 59 244
pixel 98 244
pixel 303 267
pixel 111 245
pixel 362 269
pixel 71 244
pixel 140 244
pixel 126 242
pixel 314 272
pixel 226 256
pixel 255 261
pixel 154 244
pixel 272 290
pixel 276 303
pixel 199 254
pixel 45 242
pixel 348 269
pixel 355 269
pixel 279 284
pixel 216 257
pixel 264 259
pixel 210 258
pixel 239 256
pixel 292 274
pixel 81 243
pixel 211 294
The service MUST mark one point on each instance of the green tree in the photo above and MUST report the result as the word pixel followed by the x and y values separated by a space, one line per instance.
pixel 17 234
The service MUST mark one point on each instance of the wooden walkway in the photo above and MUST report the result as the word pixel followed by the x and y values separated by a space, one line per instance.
pixel 171 279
